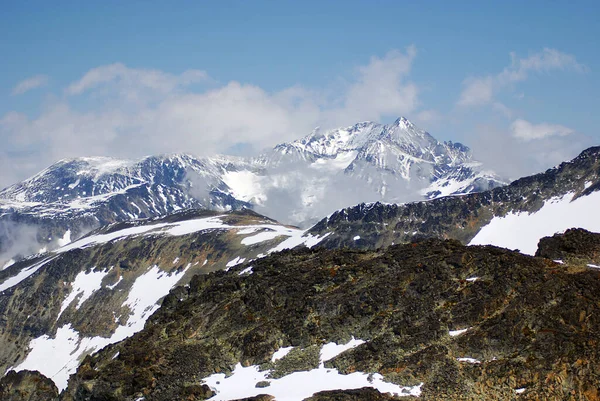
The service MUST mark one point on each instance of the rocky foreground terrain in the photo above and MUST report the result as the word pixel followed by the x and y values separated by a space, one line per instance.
pixel 435 320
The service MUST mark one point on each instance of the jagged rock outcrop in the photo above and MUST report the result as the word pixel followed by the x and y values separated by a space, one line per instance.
pixel 574 246
pixel 27 386
pixel 362 394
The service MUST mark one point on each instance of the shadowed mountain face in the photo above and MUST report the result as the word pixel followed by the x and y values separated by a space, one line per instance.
pixel 515 216
pixel 435 319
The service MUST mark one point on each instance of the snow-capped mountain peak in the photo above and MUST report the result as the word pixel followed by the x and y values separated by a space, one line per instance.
pixel 369 138
pixel 296 182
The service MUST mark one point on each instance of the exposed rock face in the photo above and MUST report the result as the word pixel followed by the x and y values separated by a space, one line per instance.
pixel 362 394
pixel 27 386
pixel 575 245
pixel 470 323
pixel 462 217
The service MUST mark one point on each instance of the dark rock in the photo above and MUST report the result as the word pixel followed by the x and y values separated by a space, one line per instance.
pixel 27 386
pixel 260 397
pixel 575 245
pixel 361 394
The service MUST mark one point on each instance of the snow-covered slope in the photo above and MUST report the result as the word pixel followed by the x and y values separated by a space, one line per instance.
pixel 103 287
pixel 515 216
pixel 523 230
pixel 296 183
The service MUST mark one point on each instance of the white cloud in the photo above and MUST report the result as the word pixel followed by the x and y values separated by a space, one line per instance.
pixel 527 131
pixel 381 88
pixel 427 118
pixel 136 112
pixel 130 79
pixel 28 84
pixel 513 157
pixel 481 90
pixel 477 91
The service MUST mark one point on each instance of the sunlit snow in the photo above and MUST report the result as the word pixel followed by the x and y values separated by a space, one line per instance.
pixel 300 385
pixel 523 230
pixel 280 353
pixel 22 275
pixel 58 357
pixel 84 285
pixel 454 333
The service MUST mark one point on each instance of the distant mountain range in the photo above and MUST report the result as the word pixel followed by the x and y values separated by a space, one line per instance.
pixel 296 183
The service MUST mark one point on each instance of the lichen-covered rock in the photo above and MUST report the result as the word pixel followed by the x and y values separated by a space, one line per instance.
pixel 470 323
pixel 27 386
pixel 576 245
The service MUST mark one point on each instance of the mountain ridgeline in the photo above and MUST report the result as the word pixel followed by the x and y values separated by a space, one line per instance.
pixel 295 183
pixel 102 288
pixel 170 300
pixel 370 226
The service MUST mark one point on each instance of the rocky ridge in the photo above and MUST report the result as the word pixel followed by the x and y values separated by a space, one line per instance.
pixel 374 225
pixel 101 288
pixel 459 323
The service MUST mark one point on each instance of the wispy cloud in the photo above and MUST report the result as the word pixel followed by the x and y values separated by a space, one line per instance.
pixel 527 131
pixel 481 90
pixel 28 84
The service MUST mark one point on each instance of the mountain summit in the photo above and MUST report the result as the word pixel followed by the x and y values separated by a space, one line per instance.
pixel 296 182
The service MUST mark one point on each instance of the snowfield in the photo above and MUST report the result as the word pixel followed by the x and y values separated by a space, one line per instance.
pixel 524 230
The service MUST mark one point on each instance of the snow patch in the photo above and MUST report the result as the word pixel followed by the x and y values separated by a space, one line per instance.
pixel 22 275
pixel 454 333
pixel 247 270
pixel 523 230
pixel 58 357
pixel 84 285
pixel 468 360
pixel 235 261
pixel 331 350
pixel 298 385
pixel 280 353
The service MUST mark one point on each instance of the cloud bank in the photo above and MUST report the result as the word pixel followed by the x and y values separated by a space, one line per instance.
pixel 122 111
pixel 116 110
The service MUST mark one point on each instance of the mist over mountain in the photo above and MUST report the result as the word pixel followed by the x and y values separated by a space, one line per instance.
pixel 296 183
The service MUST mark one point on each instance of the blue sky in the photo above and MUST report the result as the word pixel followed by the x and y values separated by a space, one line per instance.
pixel 109 78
